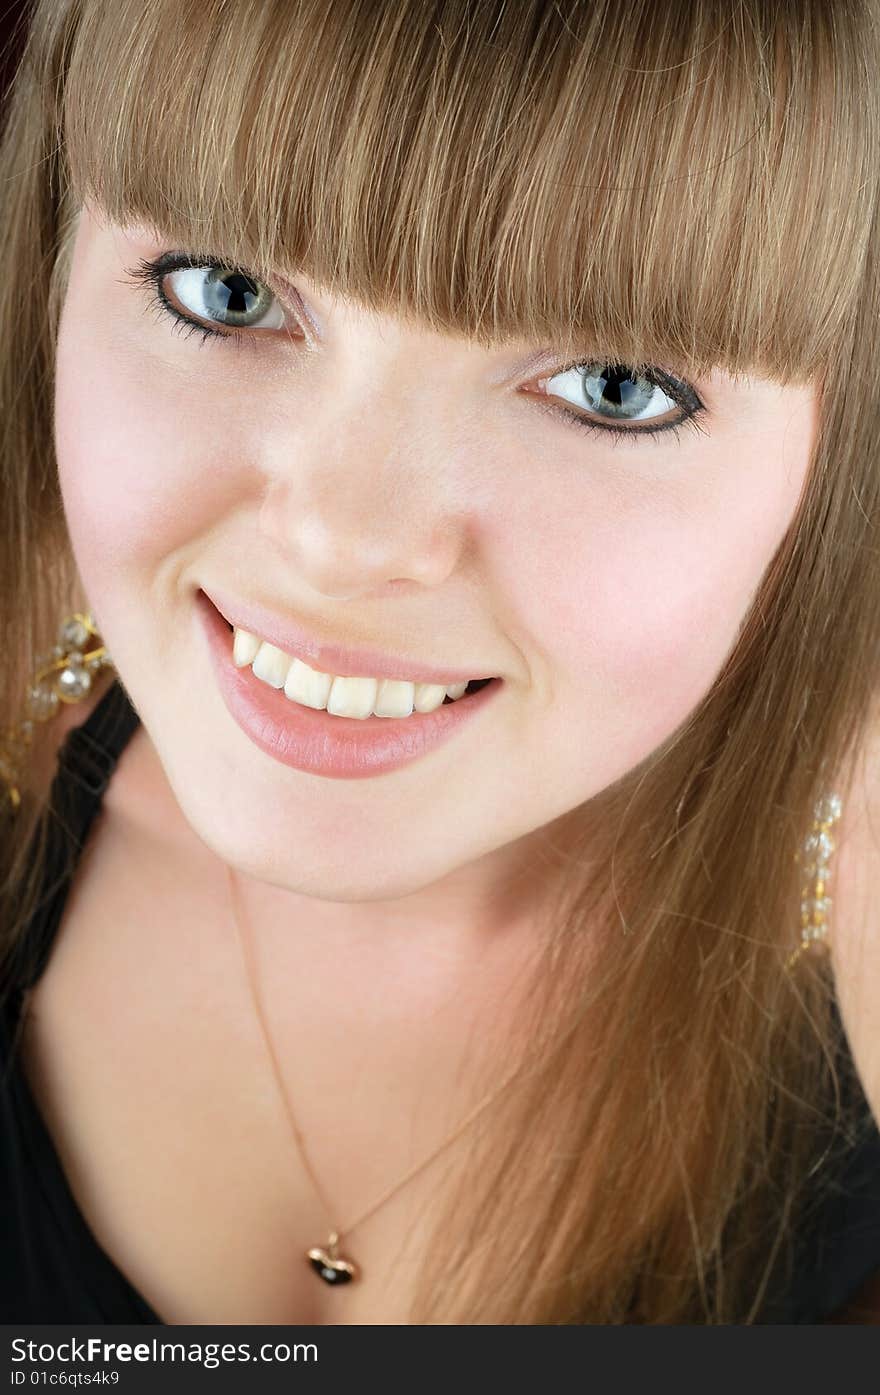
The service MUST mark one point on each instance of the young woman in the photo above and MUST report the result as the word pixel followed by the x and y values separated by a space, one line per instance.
pixel 446 437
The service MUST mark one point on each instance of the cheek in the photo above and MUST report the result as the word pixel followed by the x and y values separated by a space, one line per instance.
pixel 635 609
pixel 140 474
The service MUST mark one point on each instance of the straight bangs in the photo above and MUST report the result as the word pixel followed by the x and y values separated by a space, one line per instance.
pixel 652 183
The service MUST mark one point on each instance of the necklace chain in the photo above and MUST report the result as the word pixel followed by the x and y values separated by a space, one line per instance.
pixel 337 1231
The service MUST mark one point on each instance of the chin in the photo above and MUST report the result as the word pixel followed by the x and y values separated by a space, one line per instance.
pixel 308 863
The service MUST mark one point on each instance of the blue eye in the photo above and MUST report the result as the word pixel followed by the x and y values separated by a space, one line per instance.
pixel 605 394
pixel 214 292
pixel 608 395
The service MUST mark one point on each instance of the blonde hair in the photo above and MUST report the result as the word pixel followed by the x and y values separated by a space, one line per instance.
pixel 689 185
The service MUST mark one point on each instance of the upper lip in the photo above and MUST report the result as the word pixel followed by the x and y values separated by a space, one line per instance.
pixel 286 635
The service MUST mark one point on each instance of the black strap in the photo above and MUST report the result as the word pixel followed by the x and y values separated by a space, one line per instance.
pixel 90 752
pixel 86 762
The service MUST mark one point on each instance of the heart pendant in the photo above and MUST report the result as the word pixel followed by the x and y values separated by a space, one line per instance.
pixel 332 1268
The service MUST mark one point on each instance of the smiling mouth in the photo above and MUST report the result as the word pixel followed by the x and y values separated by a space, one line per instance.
pixel 473 686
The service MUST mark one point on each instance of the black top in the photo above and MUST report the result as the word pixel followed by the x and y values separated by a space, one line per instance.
pixel 52 1268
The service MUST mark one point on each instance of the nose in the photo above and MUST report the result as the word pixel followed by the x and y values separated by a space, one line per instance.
pixel 364 500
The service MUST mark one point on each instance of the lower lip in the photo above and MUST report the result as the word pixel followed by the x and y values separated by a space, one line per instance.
pixel 341 748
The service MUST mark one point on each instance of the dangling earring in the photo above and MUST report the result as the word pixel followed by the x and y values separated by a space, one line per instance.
pixel 66 674
pixel 815 854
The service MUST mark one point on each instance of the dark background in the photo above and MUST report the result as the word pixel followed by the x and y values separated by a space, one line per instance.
pixel 13 23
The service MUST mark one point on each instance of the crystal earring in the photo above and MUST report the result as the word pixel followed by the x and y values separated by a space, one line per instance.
pixel 66 674
pixel 815 854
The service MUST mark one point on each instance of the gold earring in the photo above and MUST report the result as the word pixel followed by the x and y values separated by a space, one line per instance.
pixel 66 674
pixel 815 855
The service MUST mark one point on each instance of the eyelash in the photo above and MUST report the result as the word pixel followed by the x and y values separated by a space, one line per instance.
pixel 679 394
pixel 151 274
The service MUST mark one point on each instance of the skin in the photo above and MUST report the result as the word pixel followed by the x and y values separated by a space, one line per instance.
pixel 385 487
pixel 387 484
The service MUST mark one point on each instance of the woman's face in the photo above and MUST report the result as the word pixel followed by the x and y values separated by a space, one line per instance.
pixel 384 487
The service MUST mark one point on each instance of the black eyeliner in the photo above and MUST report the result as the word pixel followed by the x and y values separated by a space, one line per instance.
pixel 151 274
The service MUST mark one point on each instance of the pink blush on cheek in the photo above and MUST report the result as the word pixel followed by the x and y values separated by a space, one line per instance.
pixel 150 451
pixel 137 488
pixel 640 629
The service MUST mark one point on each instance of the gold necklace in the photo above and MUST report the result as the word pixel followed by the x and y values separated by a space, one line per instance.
pixel 66 675
pixel 325 1260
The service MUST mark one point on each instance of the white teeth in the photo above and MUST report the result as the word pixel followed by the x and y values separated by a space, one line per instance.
pixel 428 696
pixel 394 698
pixel 352 697
pixel 271 665
pixel 307 685
pixel 340 696
pixel 244 650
